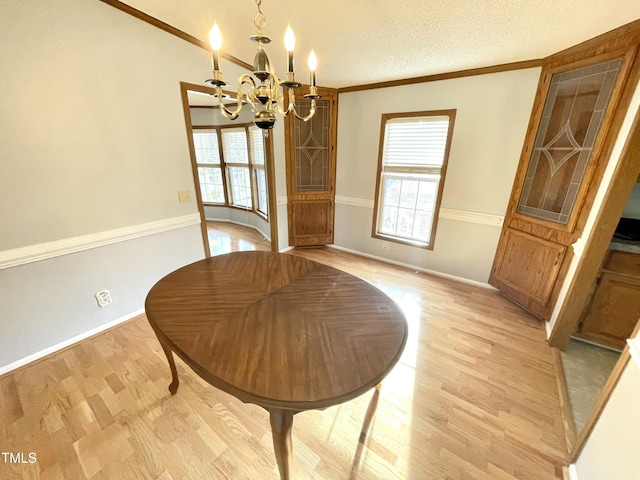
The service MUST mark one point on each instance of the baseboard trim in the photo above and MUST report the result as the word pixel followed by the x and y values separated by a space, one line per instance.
pixel 415 267
pixel 573 472
pixel 568 423
pixel 267 237
pixel 66 246
pixel 67 343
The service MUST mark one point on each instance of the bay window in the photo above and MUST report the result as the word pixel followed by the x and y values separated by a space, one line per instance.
pixel 231 167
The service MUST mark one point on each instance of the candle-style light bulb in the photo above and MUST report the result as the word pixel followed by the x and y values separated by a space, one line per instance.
pixel 215 37
pixel 215 40
pixel 289 44
pixel 313 64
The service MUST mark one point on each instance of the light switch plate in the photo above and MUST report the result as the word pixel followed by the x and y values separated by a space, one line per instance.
pixel 184 196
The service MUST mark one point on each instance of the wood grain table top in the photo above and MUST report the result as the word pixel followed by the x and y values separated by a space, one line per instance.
pixel 278 330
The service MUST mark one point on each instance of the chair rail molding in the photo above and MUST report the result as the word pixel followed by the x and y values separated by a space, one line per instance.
pixel 66 246
pixel 634 349
pixel 448 213
pixel 472 217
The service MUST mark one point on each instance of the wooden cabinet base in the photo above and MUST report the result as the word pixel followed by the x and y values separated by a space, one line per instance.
pixel 614 311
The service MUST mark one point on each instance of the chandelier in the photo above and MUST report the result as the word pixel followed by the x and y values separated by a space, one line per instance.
pixel 269 95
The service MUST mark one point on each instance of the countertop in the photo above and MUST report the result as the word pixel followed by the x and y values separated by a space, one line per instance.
pixel 625 245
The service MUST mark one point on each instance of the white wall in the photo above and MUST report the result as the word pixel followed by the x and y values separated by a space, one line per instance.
pixel 93 141
pixel 492 116
pixel 213 117
pixel 611 451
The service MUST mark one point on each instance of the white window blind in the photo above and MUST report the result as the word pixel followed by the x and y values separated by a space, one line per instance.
pixel 256 140
pixel 234 145
pixel 415 141
pixel 206 146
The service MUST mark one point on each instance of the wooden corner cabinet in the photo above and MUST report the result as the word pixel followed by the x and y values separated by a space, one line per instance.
pixel 614 308
pixel 579 107
pixel 311 170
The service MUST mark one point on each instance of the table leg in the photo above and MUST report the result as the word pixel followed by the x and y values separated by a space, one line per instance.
pixel 173 386
pixel 371 410
pixel 281 424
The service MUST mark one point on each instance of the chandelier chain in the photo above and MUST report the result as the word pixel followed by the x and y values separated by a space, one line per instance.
pixel 260 20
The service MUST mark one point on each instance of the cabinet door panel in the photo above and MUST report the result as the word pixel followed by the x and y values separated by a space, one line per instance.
pixel 571 119
pixel 614 311
pixel 623 263
pixel 529 266
pixel 312 221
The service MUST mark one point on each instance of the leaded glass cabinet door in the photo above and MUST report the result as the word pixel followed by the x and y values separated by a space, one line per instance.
pixel 563 158
pixel 570 123
pixel 311 167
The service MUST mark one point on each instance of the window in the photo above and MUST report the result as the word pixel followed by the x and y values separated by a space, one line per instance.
pixel 233 158
pixel 209 169
pixel 236 157
pixel 411 171
pixel 256 142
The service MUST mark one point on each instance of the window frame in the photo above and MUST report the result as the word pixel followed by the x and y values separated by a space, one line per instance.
pixel 408 170
pixel 229 165
pixel 220 165
pixel 225 168
pixel 255 168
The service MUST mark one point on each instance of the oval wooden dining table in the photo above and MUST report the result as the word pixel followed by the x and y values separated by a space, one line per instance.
pixel 279 331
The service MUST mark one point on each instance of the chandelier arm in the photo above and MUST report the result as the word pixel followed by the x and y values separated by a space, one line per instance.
pixel 278 98
pixel 244 79
pixel 292 101
pixel 229 114
pixel 312 111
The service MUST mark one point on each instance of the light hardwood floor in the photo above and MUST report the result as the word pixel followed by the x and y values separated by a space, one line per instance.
pixel 225 237
pixel 474 397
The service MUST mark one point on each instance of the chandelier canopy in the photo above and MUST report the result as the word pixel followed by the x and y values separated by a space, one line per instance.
pixel 268 94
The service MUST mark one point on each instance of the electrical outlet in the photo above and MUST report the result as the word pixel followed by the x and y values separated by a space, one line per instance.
pixel 184 196
pixel 103 297
pixel 385 245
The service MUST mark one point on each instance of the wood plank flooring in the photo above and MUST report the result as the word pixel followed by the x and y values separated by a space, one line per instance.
pixel 225 237
pixel 474 397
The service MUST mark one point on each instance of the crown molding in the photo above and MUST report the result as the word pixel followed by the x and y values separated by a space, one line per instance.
pixel 140 15
pixel 506 67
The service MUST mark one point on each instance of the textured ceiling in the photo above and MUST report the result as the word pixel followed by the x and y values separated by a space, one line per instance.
pixel 366 41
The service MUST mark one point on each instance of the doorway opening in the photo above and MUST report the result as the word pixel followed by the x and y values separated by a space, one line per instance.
pixel 232 165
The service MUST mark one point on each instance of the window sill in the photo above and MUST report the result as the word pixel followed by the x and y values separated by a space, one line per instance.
pixel 403 241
